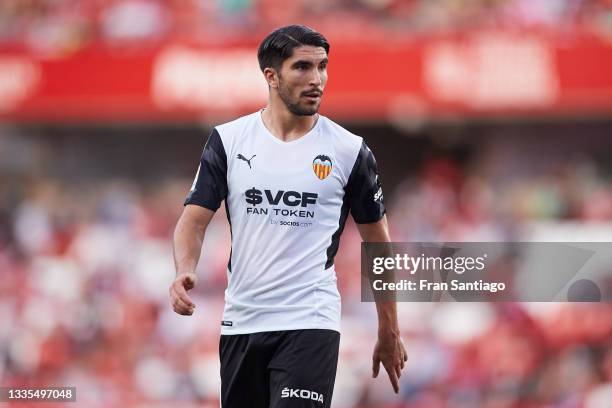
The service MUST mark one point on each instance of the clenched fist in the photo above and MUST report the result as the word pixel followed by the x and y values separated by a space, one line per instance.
pixel 180 301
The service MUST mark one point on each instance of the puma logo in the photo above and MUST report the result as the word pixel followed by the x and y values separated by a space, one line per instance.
pixel 248 161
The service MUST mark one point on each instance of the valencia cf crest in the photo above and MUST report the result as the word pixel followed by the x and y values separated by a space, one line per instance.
pixel 322 166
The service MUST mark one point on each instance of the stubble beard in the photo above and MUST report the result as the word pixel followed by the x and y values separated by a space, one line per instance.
pixel 294 106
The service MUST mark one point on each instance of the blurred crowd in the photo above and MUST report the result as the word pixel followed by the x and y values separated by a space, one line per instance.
pixel 69 25
pixel 85 267
pixel 446 202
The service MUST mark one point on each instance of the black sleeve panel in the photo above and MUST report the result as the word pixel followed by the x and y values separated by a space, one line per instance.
pixel 364 189
pixel 210 185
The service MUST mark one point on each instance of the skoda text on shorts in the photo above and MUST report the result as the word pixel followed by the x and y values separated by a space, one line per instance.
pixel 289 177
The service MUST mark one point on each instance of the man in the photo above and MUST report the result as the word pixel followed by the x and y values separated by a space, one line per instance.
pixel 289 178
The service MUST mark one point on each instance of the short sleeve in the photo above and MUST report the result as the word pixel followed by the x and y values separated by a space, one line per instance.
pixel 209 187
pixel 364 191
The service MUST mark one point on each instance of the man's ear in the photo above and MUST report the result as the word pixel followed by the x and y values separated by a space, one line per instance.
pixel 271 77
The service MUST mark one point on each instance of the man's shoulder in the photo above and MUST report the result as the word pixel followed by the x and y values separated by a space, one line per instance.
pixel 236 125
pixel 339 132
pixel 343 139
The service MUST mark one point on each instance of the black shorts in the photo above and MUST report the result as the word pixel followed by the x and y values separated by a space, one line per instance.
pixel 293 368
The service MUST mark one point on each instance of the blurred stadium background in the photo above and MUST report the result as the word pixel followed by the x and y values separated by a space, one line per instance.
pixel 491 121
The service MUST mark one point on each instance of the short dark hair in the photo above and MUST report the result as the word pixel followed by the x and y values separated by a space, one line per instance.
pixel 279 44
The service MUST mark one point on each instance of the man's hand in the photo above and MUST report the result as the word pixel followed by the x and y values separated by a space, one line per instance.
pixel 187 245
pixel 389 351
pixel 180 301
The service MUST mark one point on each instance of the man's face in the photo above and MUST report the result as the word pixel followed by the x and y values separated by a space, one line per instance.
pixel 302 78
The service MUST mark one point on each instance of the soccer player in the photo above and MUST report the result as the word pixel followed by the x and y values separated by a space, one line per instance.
pixel 289 178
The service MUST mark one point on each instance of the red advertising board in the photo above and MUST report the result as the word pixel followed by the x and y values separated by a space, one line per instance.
pixel 475 74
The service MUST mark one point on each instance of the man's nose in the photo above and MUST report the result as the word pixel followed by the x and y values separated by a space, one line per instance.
pixel 315 78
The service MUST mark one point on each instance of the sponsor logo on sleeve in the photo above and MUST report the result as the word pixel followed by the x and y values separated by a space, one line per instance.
pixel 378 196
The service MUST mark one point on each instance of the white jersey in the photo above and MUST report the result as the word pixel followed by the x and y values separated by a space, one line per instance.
pixel 287 203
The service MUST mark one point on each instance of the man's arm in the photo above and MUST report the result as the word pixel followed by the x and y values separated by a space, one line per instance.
pixel 188 239
pixel 389 349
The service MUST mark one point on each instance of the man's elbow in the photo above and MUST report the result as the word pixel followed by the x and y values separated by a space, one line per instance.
pixel 193 222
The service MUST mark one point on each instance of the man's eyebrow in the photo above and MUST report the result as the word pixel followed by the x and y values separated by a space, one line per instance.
pixel 302 62
pixel 307 62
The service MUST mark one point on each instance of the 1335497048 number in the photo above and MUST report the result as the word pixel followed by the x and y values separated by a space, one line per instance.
pixel 38 394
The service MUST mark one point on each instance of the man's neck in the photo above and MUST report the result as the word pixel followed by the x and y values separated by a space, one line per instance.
pixel 285 125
